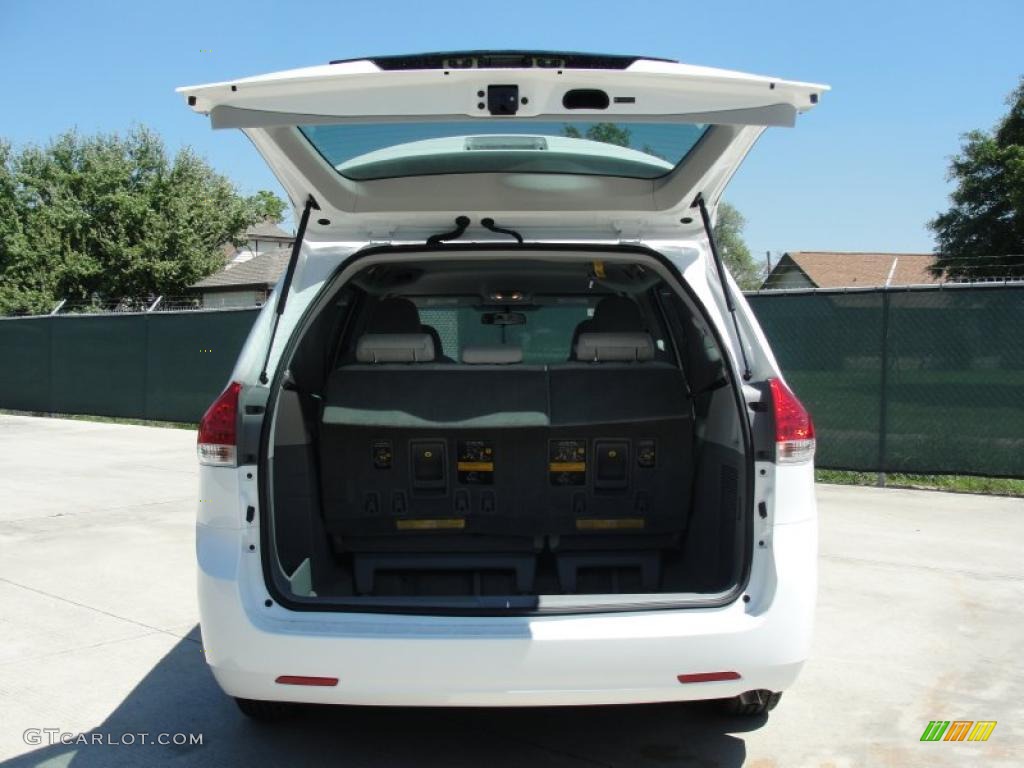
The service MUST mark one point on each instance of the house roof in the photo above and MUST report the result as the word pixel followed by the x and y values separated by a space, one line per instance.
pixel 262 270
pixel 263 230
pixel 837 269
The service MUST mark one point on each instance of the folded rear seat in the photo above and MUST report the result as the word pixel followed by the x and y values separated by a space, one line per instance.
pixel 423 456
pixel 433 464
pixel 620 457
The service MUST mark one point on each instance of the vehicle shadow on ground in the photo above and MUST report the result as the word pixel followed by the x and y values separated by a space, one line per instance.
pixel 179 695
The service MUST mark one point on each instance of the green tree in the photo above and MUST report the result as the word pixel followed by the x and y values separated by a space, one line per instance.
pixel 112 216
pixel 609 133
pixel 268 206
pixel 982 234
pixel 734 252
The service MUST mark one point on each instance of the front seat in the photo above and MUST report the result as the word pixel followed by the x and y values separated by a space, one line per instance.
pixel 613 314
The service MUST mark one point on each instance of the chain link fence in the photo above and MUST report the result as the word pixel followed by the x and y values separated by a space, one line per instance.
pixel 923 380
pixel 164 366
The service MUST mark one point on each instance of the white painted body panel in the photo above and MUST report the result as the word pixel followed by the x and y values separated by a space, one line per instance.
pixel 360 89
pixel 504 661
pixel 609 658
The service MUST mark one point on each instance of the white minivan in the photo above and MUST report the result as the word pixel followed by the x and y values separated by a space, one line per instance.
pixel 506 433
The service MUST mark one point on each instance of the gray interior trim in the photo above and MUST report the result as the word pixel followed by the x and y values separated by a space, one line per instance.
pixel 493 355
pixel 364 417
pixel 539 604
pixel 290 428
pixel 301 580
pixel 778 115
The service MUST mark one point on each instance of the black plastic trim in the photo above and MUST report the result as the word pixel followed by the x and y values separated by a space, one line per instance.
pixel 513 59
pixel 508 606
pixel 585 98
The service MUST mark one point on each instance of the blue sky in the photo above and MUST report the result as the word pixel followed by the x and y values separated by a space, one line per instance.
pixel 864 171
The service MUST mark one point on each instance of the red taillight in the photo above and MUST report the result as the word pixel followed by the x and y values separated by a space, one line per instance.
pixel 794 430
pixel 218 429
pixel 708 677
pixel 306 680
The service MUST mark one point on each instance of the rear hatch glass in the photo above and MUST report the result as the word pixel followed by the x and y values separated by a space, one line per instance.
pixel 641 150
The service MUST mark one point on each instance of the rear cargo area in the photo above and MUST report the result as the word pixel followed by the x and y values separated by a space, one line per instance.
pixel 589 447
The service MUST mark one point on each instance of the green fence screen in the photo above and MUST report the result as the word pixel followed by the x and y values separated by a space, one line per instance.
pixel 167 366
pixel 923 380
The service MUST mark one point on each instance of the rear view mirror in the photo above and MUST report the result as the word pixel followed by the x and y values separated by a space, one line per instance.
pixel 503 318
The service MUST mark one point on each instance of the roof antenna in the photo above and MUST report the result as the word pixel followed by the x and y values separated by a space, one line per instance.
pixel 709 231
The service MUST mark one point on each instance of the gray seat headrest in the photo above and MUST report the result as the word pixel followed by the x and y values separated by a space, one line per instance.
pixel 615 347
pixel 395 348
pixel 497 354
pixel 613 314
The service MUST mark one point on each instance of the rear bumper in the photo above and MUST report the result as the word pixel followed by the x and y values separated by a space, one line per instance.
pixel 616 658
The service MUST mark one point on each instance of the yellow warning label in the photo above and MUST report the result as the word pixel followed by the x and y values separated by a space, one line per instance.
pixel 567 466
pixel 476 466
pixel 599 270
pixel 629 523
pixel 430 525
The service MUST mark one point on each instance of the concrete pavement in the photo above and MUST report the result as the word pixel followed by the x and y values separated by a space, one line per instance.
pixel 919 619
